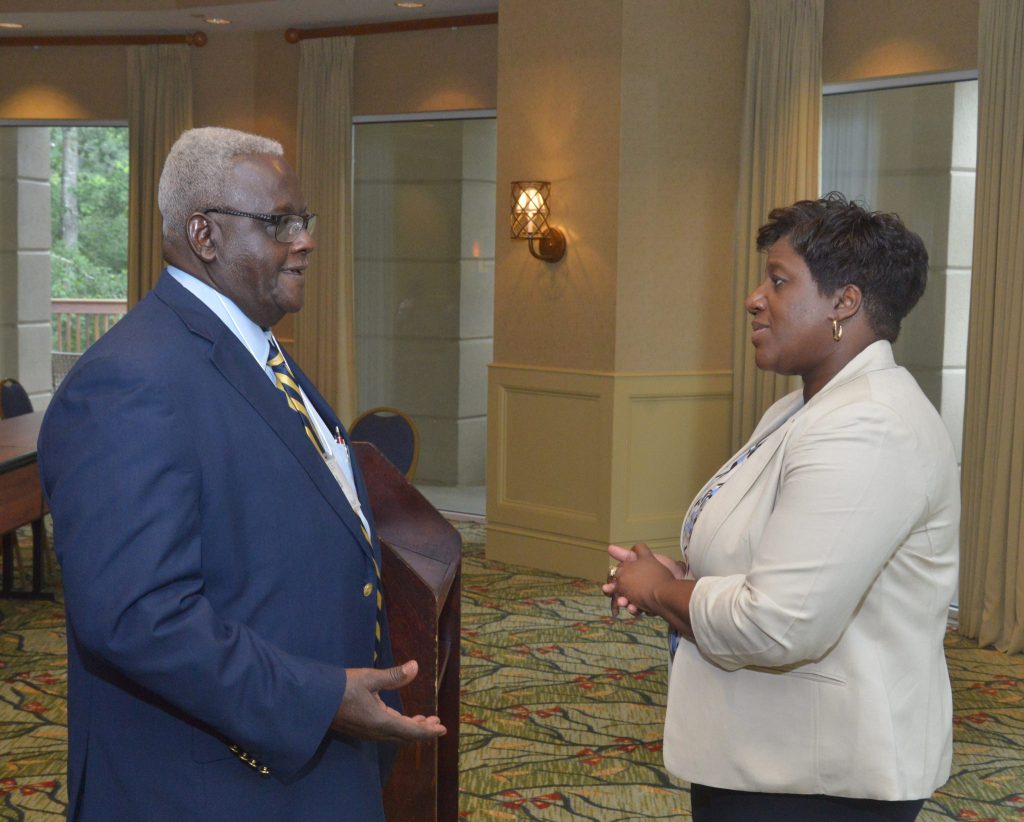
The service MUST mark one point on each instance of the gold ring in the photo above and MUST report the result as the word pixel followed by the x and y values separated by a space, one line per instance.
pixel 612 571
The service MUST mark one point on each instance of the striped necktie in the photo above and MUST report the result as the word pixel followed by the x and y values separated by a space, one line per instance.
pixel 284 379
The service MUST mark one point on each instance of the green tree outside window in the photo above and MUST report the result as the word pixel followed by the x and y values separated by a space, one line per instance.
pixel 89 211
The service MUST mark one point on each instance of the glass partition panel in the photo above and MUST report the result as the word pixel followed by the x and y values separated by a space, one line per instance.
pixel 912 151
pixel 424 217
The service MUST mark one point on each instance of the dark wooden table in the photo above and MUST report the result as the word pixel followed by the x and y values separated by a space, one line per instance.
pixel 21 499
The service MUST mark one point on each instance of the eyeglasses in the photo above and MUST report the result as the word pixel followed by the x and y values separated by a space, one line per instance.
pixel 287 227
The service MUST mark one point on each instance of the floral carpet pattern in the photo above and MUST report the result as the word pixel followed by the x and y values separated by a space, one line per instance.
pixel 33 699
pixel 561 708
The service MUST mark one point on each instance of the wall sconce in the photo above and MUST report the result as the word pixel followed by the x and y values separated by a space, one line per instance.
pixel 530 220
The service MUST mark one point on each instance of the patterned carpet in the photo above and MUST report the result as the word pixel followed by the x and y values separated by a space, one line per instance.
pixel 561 712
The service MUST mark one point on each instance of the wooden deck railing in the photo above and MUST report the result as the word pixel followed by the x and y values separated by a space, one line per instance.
pixel 77 324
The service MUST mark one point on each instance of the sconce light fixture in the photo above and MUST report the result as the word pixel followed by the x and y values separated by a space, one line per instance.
pixel 530 220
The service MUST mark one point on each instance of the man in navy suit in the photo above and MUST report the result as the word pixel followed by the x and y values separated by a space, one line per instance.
pixel 226 641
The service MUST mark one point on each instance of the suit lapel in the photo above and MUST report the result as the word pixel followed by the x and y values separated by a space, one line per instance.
pixel 238 368
pixel 876 356
pixel 332 422
pixel 771 435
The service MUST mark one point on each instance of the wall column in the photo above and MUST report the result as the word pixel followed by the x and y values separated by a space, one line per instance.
pixel 609 395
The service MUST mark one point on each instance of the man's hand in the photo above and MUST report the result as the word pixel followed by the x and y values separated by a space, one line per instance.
pixel 364 715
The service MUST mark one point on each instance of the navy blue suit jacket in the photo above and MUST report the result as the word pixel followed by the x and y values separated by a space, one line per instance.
pixel 214 581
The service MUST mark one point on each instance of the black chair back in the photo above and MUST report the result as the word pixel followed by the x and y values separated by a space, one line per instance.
pixel 393 433
pixel 14 400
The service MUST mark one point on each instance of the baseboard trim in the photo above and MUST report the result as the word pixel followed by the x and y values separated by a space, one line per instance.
pixel 461 516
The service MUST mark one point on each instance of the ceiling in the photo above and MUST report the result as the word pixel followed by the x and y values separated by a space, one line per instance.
pixel 43 17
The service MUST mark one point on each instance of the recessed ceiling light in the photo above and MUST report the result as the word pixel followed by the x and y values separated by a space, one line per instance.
pixel 217 21
pixel 11 26
pixel 409 4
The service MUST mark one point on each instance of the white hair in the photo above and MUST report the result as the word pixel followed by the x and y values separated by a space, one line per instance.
pixel 196 168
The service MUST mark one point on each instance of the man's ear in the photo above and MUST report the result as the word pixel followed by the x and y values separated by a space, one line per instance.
pixel 200 230
pixel 848 301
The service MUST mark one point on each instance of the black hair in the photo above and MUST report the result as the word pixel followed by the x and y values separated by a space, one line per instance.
pixel 844 243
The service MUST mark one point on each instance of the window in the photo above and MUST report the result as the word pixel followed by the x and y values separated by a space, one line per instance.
pixel 68 187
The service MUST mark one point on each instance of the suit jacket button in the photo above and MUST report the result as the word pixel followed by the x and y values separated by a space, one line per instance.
pixel 367 589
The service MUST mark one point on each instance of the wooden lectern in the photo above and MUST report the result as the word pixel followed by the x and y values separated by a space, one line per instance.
pixel 422 555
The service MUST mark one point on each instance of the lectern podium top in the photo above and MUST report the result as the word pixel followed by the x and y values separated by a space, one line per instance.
pixel 408 523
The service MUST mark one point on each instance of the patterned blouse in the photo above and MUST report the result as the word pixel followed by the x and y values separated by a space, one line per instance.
pixel 691 518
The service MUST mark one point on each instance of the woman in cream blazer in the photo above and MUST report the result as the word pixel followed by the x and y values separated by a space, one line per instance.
pixel 818 565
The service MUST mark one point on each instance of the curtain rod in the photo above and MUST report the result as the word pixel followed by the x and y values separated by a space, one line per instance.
pixel 197 39
pixel 295 35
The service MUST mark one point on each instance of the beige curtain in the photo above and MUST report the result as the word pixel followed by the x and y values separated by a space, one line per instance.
pixel 159 109
pixel 779 165
pixel 992 526
pixel 324 335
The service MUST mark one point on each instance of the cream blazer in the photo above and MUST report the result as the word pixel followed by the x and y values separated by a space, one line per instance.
pixel 825 567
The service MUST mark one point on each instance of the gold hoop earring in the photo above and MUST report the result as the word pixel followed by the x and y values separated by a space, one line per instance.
pixel 837 330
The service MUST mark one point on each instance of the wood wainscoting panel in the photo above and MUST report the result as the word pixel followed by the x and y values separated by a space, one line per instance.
pixel 671 433
pixel 580 459
pixel 549 434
